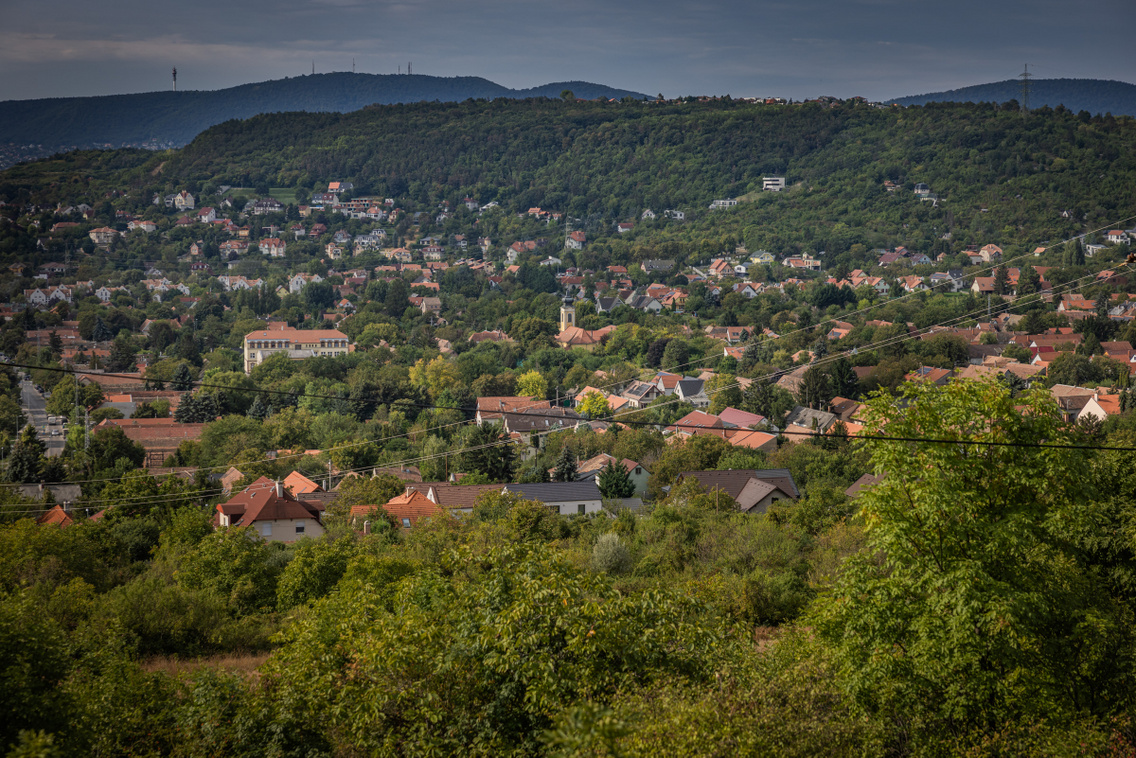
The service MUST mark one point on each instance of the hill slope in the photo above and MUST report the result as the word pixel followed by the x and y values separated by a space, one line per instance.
pixel 172 119
pixel 1092 95
pixel 1000 177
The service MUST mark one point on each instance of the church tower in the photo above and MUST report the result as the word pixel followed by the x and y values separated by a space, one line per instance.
pixel 567 314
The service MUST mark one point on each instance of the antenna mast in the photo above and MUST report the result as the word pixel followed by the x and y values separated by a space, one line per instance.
pixel 1025 77
pixel 175 80
pixel 408 69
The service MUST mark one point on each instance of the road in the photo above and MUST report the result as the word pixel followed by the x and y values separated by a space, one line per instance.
pixel 35 408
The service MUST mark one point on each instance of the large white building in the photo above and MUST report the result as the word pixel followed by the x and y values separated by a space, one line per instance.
pixel 298 344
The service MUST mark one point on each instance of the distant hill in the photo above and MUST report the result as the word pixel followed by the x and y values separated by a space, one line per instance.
pixel 1092 95
pixel 173 119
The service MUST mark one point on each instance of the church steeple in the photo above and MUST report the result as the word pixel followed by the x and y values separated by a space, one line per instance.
pixel 567 314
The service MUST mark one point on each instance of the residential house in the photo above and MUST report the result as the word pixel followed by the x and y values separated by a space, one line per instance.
pixel 754 490
pixel 692 391
pixel 275 514
pixel 566 498
pixel 272 247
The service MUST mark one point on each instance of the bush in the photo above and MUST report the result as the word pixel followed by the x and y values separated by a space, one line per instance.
pixel 610 555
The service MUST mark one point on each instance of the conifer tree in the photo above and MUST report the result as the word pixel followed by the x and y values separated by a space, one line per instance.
pixel 565 466
pixel 615 482
pixel 183 378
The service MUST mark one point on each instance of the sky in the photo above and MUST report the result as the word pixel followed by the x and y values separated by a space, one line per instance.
pixel 798 49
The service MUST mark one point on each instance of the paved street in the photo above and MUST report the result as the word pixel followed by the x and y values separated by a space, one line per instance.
pixel 34 407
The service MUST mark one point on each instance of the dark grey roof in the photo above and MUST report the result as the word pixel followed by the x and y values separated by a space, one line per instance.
pixel 689 387
pixel 804 417
pixel 557 492
pixel 733 481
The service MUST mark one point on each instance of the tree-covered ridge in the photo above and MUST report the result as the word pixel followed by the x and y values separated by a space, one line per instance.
pixel 175 118
pixel 1097 96
pixel 999 176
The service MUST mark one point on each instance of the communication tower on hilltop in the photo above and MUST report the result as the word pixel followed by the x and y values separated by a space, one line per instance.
pixel 175 80
pixel 409 71
pixel 1025 77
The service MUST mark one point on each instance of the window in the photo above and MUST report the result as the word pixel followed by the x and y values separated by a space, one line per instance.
pixel 638 470
pixel 406 523
pixel 299 528
pixel 580 509
pixel 265 529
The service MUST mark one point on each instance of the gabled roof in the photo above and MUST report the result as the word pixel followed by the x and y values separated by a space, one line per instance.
pixel 557 492
pixel 298 484
pixel 735 481
pixel 449 495
pixel 263 500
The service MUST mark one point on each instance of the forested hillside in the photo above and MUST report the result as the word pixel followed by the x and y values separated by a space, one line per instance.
pixel 1095 96
pixel 1000 176
pixel 175 118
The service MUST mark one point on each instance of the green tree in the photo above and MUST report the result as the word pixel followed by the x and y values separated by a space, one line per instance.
pixel 594 405
pixel 487 450
pixel 532 384
pixel 615 481
pixel 815 389
pixel 122 352
pixel 971 608
pixel 183 378
pixel 565 466
pixel 26 461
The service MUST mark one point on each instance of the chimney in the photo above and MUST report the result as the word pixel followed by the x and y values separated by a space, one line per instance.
pixel 366 527
pixel 279 489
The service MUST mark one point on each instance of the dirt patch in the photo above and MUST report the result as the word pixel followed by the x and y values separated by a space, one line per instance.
pixel 240 662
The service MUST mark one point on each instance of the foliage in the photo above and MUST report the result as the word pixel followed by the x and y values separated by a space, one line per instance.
pixel 615 481
pixel 971 608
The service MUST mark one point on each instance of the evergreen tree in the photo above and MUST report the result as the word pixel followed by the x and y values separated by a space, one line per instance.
pixel 815 389
pixel 565 466
pixel 26 462
pixel 259 409
pixel 102 332
pixel 186 412
pixel 844 381
pixel 615 481
pixel 183 378
pixel 121 358
pixel 56 343
pixel 1001 281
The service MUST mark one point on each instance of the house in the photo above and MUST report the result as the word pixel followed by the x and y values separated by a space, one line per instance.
pixel 773 184
pixel 183 201
pixel 491 409
pixel 803 423
pixel 728 203
pixel 624 227
pixel 297 344
pixel 640 394
pixel 754 490
pixel 298 484
pixel 1117 237
pixel 406 509
pixel 297 283
pixel 692 391
pixel 275 514
pixel 575 240
pixel 566 498
pixel 657 266
pixel 806 262
pixel 591 468
pixel 272 247
pixel 431 305
pixel 104 235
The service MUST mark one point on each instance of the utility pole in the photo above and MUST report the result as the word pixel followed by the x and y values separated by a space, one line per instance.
pixel 1025 77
